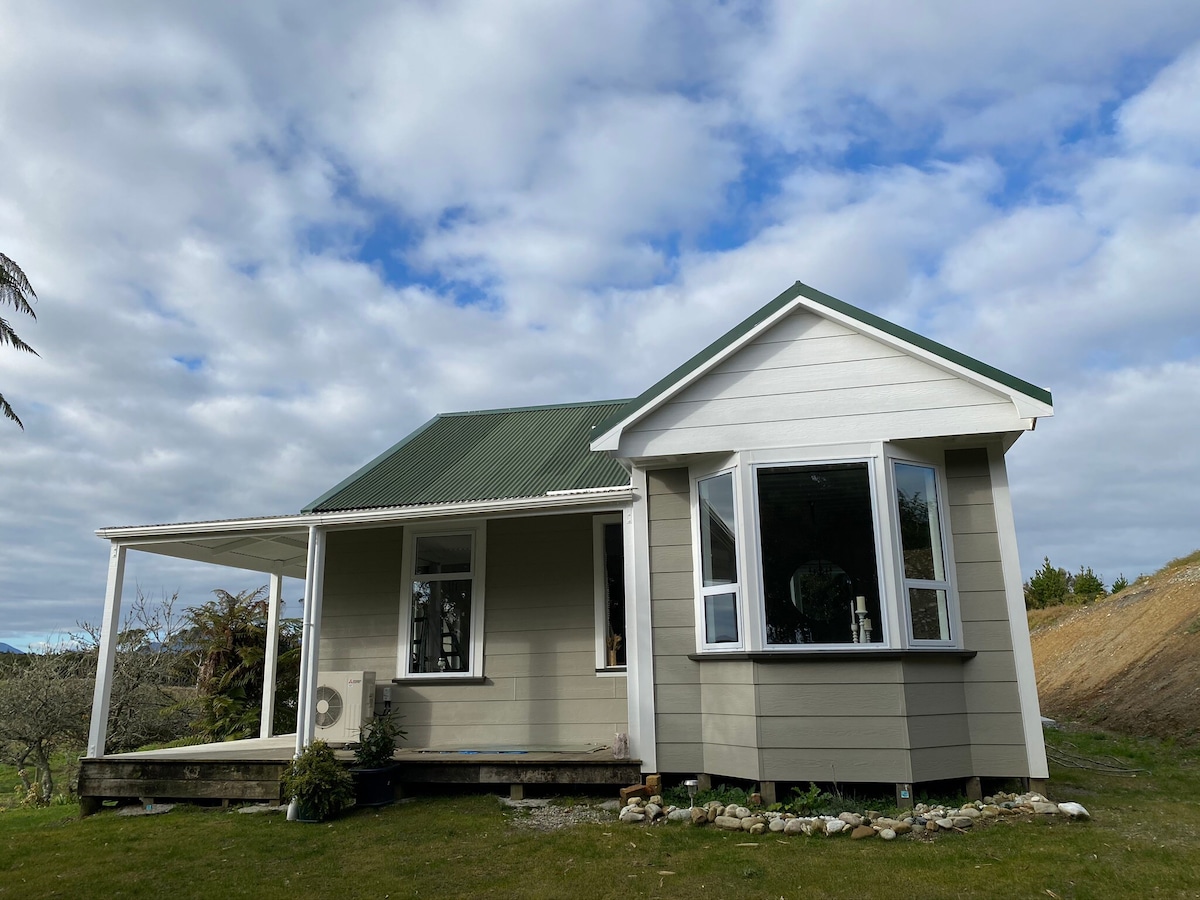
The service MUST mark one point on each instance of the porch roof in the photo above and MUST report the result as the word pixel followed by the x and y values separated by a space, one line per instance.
pixel 280 543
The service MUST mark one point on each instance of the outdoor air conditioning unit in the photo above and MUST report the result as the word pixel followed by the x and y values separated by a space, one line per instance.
pixel 345 700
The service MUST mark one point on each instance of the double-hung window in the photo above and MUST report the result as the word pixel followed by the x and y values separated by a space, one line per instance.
pixel 925 584
pixel 443 615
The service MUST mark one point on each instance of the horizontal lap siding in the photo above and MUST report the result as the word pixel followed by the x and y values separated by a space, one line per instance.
pixel 831 720
pixel 678 721
pixel 360 612
pixel 989 681
pixel 809 380
pixel 539 638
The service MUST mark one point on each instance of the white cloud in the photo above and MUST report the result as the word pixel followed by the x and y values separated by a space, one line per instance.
pixel 610 186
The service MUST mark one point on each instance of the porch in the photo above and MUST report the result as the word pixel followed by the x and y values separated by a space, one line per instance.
pixel 250 770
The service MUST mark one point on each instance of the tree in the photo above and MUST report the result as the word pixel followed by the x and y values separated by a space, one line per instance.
pixel 15 291
pixel 44 703
pixel 1120 584
pixel 228 641
pixel 151 680
pixel 1087 585
pixel 1048 587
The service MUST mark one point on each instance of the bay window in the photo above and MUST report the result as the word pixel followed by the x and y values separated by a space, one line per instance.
pixel 841 553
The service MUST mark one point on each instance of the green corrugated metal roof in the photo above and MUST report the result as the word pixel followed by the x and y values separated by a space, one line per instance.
pixel 486 455
pixel 799 289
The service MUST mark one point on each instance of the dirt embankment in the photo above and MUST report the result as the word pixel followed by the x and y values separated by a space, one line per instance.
pixel 1130 662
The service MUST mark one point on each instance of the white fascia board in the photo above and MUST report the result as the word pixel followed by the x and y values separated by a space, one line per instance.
pixel 299 524
pixel 1028 408
pixel 611 439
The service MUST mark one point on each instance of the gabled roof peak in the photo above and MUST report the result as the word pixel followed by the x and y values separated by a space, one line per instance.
pixel 801 295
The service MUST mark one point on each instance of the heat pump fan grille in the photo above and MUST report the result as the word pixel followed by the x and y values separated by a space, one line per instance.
pixel 329 706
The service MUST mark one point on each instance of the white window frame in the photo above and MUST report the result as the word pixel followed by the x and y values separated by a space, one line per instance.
pixel 897 456
pixel 883 627
pixel 737 588
pixel 895 627
pixel 478 533
pixel 599 562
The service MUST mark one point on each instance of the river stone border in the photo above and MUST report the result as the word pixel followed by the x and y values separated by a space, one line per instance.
pixel 923 820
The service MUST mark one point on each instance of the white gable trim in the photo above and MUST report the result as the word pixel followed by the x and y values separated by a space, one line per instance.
pixel 1028 408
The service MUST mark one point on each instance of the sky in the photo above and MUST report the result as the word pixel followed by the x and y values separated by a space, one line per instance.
pixel 269 239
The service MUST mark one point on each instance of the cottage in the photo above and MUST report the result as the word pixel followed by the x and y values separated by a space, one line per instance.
pixel 792 559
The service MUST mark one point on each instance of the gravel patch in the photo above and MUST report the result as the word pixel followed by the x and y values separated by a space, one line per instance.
pixel 552 818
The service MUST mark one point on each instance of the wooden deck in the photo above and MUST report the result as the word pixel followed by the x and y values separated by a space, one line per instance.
pixel 242 771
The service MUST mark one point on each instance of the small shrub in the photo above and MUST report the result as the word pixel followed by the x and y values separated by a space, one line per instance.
pixel 1119 584
pixel 378 743
pixel 809 801
pixel 318 782
pixel 1087 585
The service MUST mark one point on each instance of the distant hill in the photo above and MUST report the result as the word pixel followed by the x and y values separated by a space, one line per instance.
pixel 1130 662
pixel 9 648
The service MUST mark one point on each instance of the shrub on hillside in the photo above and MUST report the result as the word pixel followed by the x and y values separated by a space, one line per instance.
pixel 1048 587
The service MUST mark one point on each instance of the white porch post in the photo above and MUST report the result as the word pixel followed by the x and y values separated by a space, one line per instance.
pixel 110 626
pixel 266 727
pixel 310 647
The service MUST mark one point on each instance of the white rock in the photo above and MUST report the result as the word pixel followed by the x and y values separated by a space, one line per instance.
pixel 679 815
pixel 777 825
pixel 833 826
pixel 887 834
pixel 1074 810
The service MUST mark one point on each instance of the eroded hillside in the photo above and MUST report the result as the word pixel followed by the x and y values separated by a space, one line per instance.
pixel 1131 662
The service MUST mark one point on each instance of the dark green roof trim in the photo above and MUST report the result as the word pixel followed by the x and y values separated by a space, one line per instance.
pixel 493 454
pixel 799 289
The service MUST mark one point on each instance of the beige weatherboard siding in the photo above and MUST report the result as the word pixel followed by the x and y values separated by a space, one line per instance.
pixel 809 380
pixel 540 688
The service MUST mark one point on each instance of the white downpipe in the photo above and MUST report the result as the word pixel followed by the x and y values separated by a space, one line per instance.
pixel 110 628
pixel 266 727
pixel 302 700
pixel 314 635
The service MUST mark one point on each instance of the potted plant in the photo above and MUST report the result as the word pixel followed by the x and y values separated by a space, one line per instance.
pixel 374 770
pixel 318 783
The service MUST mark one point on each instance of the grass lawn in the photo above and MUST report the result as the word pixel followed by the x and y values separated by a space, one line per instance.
pixel 1143 841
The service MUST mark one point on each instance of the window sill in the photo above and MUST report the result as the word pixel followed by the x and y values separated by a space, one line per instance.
pixel 422 680
pixel 613 670
pixel 823 655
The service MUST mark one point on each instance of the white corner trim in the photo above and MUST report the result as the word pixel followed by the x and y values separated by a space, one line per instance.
pixel 639 650
pixel 1006 533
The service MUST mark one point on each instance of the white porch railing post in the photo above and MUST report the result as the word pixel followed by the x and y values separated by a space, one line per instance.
pixel 266 727
pixel 110 626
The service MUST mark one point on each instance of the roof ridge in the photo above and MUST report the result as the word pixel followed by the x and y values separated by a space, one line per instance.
pixel 511 409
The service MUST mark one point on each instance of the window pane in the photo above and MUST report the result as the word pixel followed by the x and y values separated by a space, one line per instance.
pixel 614 593
pixel 718 547
pixel 720 619
pixel 443 553
pixel 928 610
pixel 920 532
pixel 817 530
pixel 441 626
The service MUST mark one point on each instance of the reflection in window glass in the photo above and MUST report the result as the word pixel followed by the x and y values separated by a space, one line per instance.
pixel 927 607
pixel 716 530
pixel 718 559
pixel 817 532
pixel 924 563
pixel 920 532
pixel 440 634
pixel 720 618
pixel 614 594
